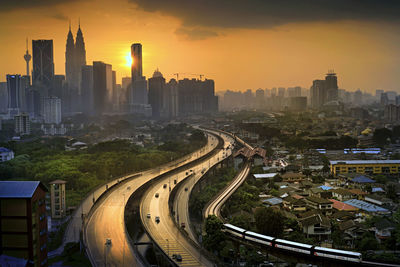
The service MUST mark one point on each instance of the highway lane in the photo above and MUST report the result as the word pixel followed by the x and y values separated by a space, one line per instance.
pixel 107 218
pixel 165 233
pixel 214 208
pixel 181 200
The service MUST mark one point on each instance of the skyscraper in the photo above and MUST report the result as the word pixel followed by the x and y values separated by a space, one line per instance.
pixel 318 93
pixel 102 84
pixel 75 58
pixel 139 83
pixel 156 93
pixel 43 62
pixel 331 86
pixel 136 53
pixel 87 90
pixel 14 91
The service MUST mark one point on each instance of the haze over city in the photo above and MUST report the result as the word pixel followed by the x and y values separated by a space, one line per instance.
pixel 259 45
pixel 187 133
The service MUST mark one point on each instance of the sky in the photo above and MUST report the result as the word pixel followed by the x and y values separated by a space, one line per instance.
pixel 240 44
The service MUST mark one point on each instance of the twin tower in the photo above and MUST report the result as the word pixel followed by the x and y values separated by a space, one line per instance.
pixel 75 58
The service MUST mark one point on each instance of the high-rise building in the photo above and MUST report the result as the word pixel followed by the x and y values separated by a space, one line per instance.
pixel 102 86
pixel 260 98
pixel 294 91
pixel 14 91
pixel 23 231
pixel 331 86
pixel 281 92
pixel 136 53
pixel 156 93
pixel 138 93
pixel 75 58
pixel 3 97
pixel 298 103
pixel 52 110
pixel 318 93
pixel 357 100
pixel 392 113
pixel 57 199
pixel 87 96
pixel 43 62
pixel 384 99
pixel 22 124
pixel 171 100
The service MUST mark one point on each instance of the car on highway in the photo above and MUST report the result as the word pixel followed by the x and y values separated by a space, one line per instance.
pixel 108 241
pixel 177 257
pixel 148 215
pixel 156 195
pixel 165 186
pixel 183 224
pixel 186 189
pixel 157 219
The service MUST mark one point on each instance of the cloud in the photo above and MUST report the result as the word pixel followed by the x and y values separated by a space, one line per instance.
pixel 270 13
pixel 195 33
pixel 7 5
pixel 59 16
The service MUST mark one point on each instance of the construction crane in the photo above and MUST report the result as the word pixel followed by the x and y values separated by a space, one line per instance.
pixel 194 74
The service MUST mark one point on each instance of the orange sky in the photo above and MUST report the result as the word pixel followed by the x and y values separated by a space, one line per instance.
pixel 365 55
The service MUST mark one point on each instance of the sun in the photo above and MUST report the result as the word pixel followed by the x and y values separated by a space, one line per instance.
pixel 128 59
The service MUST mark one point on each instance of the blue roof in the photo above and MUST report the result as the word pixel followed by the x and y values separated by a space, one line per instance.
pixel 377 189
pixel 365 205
pixel 324 187
pixel 3 149
pixel 19 189
pixel 362 179
pixel 273 201
pixel 8 261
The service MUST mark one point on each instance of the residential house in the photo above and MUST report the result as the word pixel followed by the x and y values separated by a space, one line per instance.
pixel 316 225
pixel 258 156
pixel 294 204
pixel 378 200
pixel 341 206
pixel 6 154
pixel 352 231
pixel 358 193
pixel 241 156
pixel 342 194
pixel 324 205
pixel 292 177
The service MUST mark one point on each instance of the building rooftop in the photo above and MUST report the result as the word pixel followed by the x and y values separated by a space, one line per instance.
pixel 365 205
pixel 265 175
pixel 3 149
pixel 362 179
pixel 342 192
pixel 273 201
pixel 342 206
pixel 8 261
pixel 357 191
pixel 361 162
pixel 19 189
pixel 318 200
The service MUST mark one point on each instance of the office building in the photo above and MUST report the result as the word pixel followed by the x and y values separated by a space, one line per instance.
pixel 156 93
pixel 14 91
pixel 392 113
pixel 365 166
pixel 43 63
pixel 87 96
pixel 260 98
pixel 171 100
pixel 331 86
pixel 138 93
pixel 318 94
pixel 294 91
pixel 23 222
pixel 22 124
pixel 52 110
pixel 102 86
pixel 57 199
pixel 3 97
pixel 75 58
pixel 298 103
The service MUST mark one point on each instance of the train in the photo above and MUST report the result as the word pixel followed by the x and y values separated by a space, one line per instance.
pixel 306 249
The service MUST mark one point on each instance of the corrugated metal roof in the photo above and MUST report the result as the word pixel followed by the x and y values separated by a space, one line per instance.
pixel 362 179
pixel 3 149
pixel 332 162
pixel 18 189
pixel 365 205
pixel 265 175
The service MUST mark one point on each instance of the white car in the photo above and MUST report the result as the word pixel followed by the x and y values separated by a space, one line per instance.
pixel 148 215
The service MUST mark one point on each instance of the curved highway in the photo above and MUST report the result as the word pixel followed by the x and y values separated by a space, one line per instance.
pixel 107 217
pixel 154 204
pixel 214 207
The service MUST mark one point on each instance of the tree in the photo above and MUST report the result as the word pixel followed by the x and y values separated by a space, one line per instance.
pixel 381 179
pixel 269 222
pixel 381 136
pixel 391 192
pixel 368 242
pixel 214 236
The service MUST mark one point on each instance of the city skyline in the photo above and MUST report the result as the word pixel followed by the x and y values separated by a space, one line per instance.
pixel 354 45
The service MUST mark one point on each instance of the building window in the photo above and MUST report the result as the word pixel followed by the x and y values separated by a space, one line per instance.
pixel 385 170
